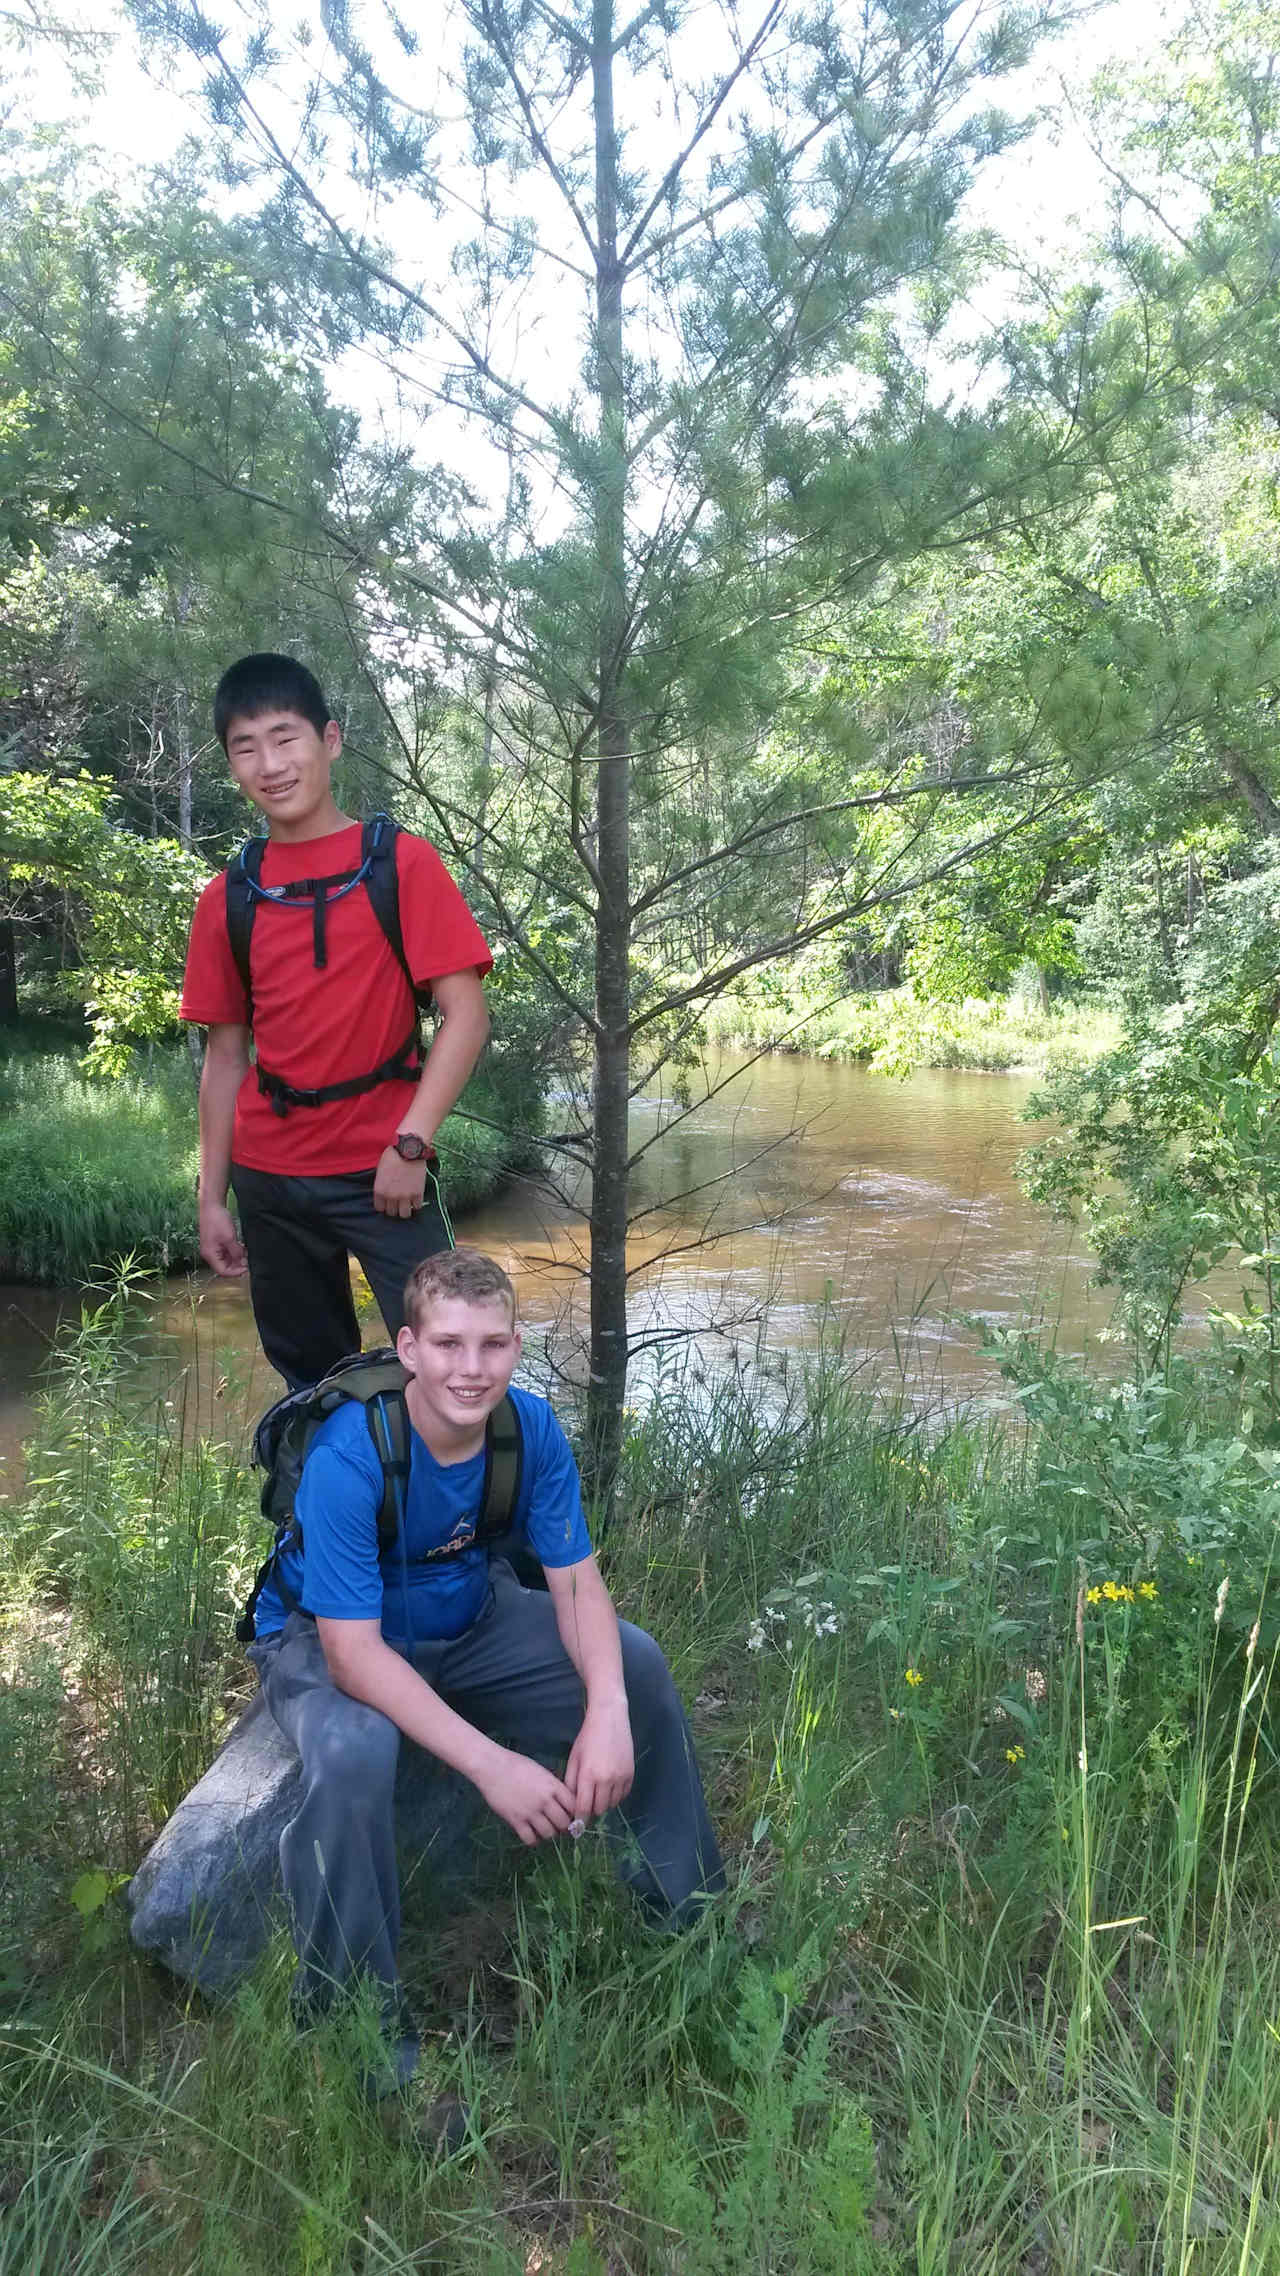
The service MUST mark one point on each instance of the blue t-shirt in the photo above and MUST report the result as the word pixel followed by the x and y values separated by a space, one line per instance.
pixel 337 1573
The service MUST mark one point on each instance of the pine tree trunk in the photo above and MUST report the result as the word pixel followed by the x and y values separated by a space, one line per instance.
pixel 186 765
pixel 611 1074
pixel 8 972
pixel 1253 791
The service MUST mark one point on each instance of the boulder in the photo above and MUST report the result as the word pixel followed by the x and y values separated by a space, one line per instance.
pixel 206 1896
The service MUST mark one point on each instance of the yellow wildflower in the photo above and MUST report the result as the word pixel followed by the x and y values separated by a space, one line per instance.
pixel 1094 1596
pixel 914 1677
pixel 1148 1589
pixel 1015 1754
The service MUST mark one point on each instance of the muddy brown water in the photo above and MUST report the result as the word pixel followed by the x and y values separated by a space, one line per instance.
pixel 800 1192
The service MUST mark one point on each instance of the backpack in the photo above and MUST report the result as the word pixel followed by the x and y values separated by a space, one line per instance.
pixel 376 1379
pixel 378 875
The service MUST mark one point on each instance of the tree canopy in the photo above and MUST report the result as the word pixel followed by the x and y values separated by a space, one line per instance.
pixel 592 397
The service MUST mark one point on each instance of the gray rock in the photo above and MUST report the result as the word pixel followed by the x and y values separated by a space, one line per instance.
pixel 206 1896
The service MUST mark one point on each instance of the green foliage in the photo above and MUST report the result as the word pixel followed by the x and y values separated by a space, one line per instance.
pixel 93 1171
pixel 1166 1147
pixel 895 1029
pixel 1168 1494
pixel 777 2171
pixel 144 1536
pixel 997 1955
pixel 750 249
pixel 129 902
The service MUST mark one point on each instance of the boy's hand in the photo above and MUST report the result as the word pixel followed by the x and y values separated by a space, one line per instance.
pixel 220 1244
pixel 602 1764
pixel 398 1186
pixel 532 1801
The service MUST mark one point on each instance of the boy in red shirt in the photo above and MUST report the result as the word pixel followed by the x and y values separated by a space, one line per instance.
pixel 327 1138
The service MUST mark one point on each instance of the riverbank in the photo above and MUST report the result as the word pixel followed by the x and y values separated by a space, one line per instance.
pixel 994 1986
pixel 94 1170
pixel 893 1031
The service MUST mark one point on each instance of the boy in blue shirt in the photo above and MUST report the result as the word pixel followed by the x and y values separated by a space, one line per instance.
pixel 435 1642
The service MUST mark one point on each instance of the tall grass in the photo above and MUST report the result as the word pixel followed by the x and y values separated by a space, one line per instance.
pixel 895 1030
pixel 132 1537
pixel 996 1986
pixel 94 1170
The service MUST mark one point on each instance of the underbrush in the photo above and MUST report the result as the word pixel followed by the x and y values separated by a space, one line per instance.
pixel 894 1031
pixel 986 1725
pixel 93 1169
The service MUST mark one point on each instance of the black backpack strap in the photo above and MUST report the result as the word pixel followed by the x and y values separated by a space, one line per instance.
pixel 244 891
pixel 247 1624
pixel 376 1380
pixel 503 1468
pixel 382 882
pixel 388 1420
pixel 404 1066
pixel 242 905
pixel 500 1493
pixel 377 872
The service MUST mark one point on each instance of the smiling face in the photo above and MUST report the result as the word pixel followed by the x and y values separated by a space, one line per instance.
pixel 283 764
pixel 461 1355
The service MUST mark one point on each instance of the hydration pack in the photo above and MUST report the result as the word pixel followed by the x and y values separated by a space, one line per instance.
pixel 378 875
pixel 376 1380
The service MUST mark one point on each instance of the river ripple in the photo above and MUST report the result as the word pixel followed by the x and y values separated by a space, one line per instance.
pixel 889 1207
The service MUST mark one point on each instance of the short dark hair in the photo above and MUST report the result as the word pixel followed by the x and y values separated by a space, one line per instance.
pixel 267 683
pixel 465 1273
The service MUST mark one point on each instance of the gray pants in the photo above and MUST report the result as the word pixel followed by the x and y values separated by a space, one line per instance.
pixel 510 1674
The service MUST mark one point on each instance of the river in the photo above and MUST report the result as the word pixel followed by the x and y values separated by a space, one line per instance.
pixel 890 1207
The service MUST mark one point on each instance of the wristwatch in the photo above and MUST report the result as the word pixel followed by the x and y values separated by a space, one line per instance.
pixel 411 1148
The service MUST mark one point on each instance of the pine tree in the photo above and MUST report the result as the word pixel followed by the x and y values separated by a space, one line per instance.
pixel 655 291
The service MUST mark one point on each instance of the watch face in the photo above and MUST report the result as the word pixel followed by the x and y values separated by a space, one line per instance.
pixel 410 1147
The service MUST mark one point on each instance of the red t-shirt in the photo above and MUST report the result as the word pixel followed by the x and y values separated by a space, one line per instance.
pixel 322 1026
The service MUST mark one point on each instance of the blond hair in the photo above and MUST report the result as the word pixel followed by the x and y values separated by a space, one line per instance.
pixel 465 1274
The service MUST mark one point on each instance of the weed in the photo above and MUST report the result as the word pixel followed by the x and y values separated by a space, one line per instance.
pixel 996 1983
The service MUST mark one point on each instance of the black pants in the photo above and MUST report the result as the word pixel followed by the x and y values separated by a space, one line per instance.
pixel 300 1234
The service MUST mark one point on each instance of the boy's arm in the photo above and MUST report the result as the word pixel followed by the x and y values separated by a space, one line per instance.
pixel 531 1800
pixel 601 1765
pixel 226 1063
pixel 398 1186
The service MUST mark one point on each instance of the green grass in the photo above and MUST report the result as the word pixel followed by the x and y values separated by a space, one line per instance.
pixel 996 1987
pixel 894 1030
pixel 91 1170
pixel 94 1170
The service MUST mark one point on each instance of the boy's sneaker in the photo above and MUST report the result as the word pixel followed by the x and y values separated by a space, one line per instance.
pixel 398 2059
pixel 442 2127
